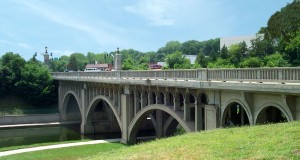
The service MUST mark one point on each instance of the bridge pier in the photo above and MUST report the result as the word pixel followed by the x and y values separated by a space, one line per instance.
pixel 126 103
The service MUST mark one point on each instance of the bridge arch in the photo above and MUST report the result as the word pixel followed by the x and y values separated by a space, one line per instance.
pixel 65 101
pixel 233 102
pixel 283 109
pixel 142 115
pixel 93 106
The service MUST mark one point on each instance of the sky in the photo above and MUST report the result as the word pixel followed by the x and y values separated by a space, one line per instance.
pixel 82 26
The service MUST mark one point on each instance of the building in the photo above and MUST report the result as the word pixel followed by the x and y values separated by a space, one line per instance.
pixel 101 67
pixel 228 41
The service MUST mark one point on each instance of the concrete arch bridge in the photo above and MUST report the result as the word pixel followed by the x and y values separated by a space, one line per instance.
pixel 157 102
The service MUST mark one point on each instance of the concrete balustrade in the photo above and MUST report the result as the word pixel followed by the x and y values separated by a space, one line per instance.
pixel 287 74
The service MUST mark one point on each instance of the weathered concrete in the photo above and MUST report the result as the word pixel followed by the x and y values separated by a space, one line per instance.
pixel 195 99
pixel 29 119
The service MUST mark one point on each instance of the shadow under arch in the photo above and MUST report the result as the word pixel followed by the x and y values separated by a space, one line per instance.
pixel 66 98
pixel 245 106
pixel 286 111
pixel 93 105
pixel 142 115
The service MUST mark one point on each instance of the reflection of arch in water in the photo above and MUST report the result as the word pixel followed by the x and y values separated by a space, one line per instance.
pixel 273 113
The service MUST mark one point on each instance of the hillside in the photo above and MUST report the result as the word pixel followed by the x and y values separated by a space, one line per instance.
pixel 276 141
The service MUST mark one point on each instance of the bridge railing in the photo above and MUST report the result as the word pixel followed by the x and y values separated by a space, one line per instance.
pixel 287 74
pixel 255 74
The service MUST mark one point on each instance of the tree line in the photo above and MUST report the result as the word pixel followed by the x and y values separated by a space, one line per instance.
pixel 30 80
pixel 276 45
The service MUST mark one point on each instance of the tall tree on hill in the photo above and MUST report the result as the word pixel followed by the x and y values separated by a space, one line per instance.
pixel 170 47
pixel 73 64
pixel 191 47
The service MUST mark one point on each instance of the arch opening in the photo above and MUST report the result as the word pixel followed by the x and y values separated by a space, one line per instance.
pixel 202 99
pixel 102 120
pixel 165 126
pixel 72 109
pixel 271 114
pixel 235 115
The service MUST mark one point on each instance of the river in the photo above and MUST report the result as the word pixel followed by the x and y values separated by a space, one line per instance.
pixel 42 134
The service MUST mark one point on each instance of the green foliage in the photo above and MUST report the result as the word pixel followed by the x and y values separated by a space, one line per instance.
pixel 251 62
pixel 201 60
pixel 36 84
pixel 191 47
pixel 177 60
pixel 169 48
pixel 275 60
pixel 221 63
pixel 285 23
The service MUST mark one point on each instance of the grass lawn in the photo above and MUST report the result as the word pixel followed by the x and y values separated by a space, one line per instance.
pixel 276 141
pixel 69 153
pixel 40 144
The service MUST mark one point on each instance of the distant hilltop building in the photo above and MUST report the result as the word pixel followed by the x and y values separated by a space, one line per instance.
pixel 228 41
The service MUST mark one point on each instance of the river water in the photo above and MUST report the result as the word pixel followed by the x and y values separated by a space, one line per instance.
pixel 42 134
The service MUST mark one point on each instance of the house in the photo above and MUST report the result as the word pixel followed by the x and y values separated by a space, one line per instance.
pixel 101 67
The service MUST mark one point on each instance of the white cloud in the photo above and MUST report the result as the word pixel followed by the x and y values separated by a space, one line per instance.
pixel 96 31
pixel 157 12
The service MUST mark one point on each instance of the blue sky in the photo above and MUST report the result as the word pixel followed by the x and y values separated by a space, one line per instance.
pixel 68 26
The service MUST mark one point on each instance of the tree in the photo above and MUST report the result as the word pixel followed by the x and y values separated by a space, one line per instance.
pixel 251 62
pixel 284 24
pixel 235 54
pixel 190 47
pixel 177 60
pixel 221 63
pixel 36 85
pixel 294 49
pixel 73 65
pixel 201 59
pixel 170 47
pixel 10 71
pixel 224 52
pixel 275 60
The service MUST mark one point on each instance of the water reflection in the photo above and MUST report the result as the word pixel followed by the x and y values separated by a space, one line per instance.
pixel 43 134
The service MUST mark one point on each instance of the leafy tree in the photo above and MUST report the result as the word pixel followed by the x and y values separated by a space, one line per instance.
pixel 73 64
pixel 294 48
pixel 221 63
pixel 177 60
pixel 284 24
pixel 81 61
pixel 251 62
pixel 128 64
pixel 201 59
pixel 12 65
pixel 191 47
pixel 235 54
pixel 275 60
pixel 170 47
pixel 261 47
pixel 224 52
pixel 36 84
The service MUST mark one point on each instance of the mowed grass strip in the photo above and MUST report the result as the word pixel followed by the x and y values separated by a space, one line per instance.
pixel 276 141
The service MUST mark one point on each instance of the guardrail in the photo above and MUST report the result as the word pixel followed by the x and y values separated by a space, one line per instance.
pixel 287 74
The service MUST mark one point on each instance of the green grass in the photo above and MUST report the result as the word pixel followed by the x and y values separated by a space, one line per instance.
pixel 276 141
pixel 70 153
pixel 41 144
